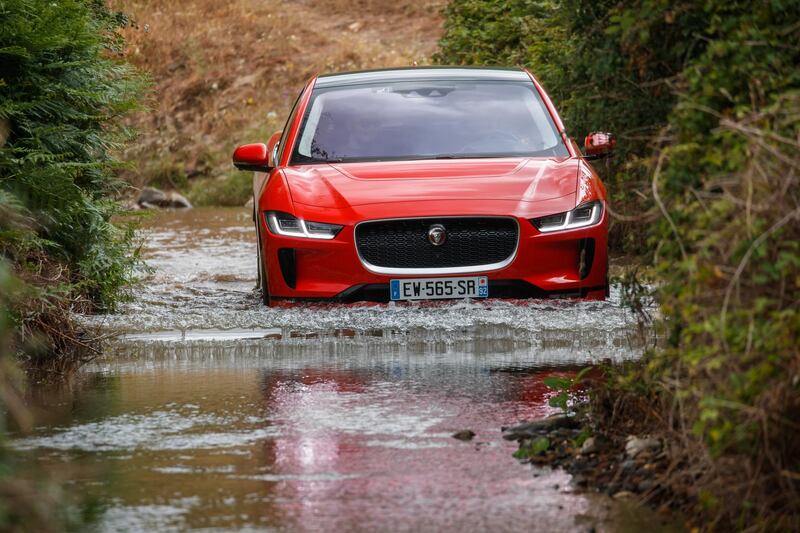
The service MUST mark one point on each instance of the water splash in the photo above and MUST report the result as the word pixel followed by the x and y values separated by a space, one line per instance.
pixel 202 289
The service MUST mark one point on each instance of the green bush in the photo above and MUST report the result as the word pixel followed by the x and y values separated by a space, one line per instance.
pixel 705 98
pixel 729 250
pixel 61 91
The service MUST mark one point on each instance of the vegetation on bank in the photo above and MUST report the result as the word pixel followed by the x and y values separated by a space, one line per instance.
pixel 62 91
pixel 705 99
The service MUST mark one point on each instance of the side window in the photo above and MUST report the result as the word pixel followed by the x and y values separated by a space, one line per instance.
pixel 289 122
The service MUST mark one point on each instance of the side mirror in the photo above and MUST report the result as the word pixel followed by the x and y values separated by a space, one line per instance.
pixel 252 157
pixel 599 145
pixel 272 148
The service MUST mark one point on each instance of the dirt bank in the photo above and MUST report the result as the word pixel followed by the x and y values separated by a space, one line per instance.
pixel 623 460
pixel 226 73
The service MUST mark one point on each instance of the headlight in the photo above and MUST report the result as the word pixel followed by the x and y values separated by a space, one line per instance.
pixel 582 216
pixel 291 226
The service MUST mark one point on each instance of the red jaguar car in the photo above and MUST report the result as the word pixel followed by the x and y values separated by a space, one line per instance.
pixel 427 183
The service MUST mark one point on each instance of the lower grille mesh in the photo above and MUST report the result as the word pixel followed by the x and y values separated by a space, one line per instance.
pixel 404 243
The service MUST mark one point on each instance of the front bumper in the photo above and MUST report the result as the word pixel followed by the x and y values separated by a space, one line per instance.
pixel 572 263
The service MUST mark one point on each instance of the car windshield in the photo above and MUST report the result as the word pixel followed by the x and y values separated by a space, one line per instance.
pixel 426 120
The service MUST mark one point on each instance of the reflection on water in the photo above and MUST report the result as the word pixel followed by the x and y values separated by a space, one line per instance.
pixel 354 441
pixel 213 412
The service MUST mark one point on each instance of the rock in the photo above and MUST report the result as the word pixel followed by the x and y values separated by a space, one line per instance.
pixel 635 445
pixel 566 433
pixel 535 428
pixel 589 446
pixel 628 466
pixel 464 435
pixel 178 201
pixel 151 197
pixel 645 485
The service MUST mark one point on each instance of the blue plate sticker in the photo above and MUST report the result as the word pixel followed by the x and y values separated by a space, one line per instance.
pixel 394 289
pixel 483 288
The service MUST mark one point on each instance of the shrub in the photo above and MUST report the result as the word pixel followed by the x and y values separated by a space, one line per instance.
pixel 61 92
pixel 705 97
pixel 728 244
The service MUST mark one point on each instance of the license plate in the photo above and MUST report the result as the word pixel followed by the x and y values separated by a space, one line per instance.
pixel 439 288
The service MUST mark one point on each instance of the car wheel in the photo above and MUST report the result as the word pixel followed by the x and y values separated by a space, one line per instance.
pixel 262 273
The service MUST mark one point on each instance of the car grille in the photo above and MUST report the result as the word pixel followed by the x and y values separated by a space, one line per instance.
pixel 403 243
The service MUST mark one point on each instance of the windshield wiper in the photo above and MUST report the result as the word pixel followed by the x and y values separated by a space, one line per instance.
pixel 331 160
pixel 464 156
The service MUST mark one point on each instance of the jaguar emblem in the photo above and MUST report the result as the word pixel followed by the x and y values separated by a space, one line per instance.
pixel 437 235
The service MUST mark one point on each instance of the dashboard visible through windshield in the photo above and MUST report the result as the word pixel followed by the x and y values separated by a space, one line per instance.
pixel 407 120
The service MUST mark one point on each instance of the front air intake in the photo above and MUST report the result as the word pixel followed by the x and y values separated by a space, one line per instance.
pixel 287 262
pixel 585 257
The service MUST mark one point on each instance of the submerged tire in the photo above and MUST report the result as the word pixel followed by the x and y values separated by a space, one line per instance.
pixel 263 286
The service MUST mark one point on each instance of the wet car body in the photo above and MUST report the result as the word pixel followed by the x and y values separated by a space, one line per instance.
pixel 531 222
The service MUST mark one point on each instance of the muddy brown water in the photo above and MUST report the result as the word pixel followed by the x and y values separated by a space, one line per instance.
pixel 212 412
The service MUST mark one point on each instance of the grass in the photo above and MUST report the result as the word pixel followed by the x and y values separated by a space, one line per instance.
pixel 229 190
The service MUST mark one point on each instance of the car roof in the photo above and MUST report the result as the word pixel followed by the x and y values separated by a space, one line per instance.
pixel 422 73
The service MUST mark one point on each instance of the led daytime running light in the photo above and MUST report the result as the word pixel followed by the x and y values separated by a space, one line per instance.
pixel 320 230
pixel 568 220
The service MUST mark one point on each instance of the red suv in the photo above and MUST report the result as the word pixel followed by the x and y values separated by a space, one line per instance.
pixel 427 183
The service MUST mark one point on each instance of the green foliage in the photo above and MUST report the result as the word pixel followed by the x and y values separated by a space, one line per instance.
pixel 61 92
pixel 533 447
pixel 232 190
pixel 729 258
pixel 564 385
pixel 581 438
pixel 705 99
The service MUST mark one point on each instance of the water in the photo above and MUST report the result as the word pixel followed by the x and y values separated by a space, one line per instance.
pixel 205 273
pixel 212 412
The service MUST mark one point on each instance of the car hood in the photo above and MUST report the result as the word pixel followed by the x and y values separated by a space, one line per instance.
pixel 344 185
